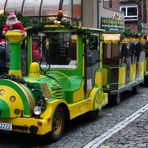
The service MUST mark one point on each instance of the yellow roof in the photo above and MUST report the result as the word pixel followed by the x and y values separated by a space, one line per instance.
pixel 116 38
pixel 111 38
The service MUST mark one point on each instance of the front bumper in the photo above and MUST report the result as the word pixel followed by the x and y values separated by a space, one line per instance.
pixel 29 125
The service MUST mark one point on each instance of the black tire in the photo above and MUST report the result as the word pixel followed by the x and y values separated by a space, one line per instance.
pixel 58 124
pixel 135 89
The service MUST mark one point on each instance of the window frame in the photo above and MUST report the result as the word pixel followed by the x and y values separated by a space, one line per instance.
pixel 126 16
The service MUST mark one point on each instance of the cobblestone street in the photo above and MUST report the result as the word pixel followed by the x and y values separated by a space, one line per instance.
pixel 135 135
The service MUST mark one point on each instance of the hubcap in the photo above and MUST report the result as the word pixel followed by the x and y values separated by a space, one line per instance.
pixel 57 123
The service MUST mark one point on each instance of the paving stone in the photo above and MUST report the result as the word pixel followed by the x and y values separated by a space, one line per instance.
pixel 136 134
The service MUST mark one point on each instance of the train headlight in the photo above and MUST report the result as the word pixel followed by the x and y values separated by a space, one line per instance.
pixel 107 86
pixel 37 110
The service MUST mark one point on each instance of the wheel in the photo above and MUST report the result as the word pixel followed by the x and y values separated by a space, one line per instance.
pixel 116 99
pixel 58 124
pixel 135 89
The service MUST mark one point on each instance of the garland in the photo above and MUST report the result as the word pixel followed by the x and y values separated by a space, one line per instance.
pixel 40 26
pixel 128 34
pixel 35 89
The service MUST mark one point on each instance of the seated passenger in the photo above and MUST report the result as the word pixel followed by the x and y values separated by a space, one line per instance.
pixel 36 54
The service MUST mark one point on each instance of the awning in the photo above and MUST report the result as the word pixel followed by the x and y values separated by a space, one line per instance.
pixel 111 38
pixel 141 39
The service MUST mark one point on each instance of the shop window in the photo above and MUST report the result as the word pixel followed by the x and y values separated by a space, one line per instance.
pixel 130 12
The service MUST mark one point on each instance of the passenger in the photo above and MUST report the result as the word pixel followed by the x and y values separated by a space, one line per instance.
pixel 132 51
pixel 138 49
pixel 36 54
pixel 124 53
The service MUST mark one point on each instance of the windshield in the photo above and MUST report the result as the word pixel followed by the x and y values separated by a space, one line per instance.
pixel 55 49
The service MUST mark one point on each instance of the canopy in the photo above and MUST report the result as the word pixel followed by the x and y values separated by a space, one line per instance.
pixel 39 7
pixel 111 38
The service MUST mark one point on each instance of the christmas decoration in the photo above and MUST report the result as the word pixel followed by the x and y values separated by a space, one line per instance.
pixel 13 24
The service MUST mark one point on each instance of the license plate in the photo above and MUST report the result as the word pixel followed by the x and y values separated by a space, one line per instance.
pixel 5 126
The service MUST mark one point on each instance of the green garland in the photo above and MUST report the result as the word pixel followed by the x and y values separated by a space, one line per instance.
pixel 35 28
pixel 2 23
pixel 128 34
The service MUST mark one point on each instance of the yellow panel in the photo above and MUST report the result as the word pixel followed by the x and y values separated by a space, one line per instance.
pixel 122 75
pixel 105 99
pixel 132 72
pixel 98 98
pixel 17 73
pixel 141 69
pixel 14 36
pixel 145 65
pixel 79 108
pixel 79 95
pixel 101 99
pixel 98 79
pixel 104 76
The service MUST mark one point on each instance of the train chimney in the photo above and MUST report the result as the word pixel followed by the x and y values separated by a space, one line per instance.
pixel 15 41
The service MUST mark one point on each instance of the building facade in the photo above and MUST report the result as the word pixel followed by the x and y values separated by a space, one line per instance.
pixel 135 12
pixel 95 10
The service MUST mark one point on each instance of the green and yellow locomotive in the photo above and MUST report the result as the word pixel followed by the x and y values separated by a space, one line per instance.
pixel 64 84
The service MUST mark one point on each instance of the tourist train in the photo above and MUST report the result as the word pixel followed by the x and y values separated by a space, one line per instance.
pixel 78 71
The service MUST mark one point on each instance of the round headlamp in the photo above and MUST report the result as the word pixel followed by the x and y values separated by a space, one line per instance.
pixel 37 110
pixel 108 86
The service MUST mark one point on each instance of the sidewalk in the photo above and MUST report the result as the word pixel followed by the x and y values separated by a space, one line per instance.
pixel 134 135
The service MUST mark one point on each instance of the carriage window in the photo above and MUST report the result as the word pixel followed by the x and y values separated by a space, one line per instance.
pixel 58 49
pixel 115 50
pixel 92 56
pixel 111 53
pixel 107 51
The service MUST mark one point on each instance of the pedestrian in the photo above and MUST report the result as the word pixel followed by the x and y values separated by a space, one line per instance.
pixel 124 53
pixel 138 49
pixel 132 51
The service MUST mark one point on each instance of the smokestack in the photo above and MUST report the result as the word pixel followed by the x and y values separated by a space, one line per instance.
pixel 15 41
